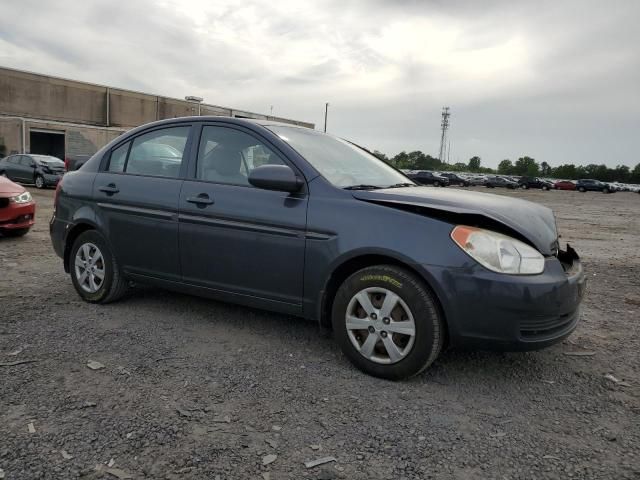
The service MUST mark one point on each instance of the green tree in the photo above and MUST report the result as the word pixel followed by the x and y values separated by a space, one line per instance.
pixel 505 167
pixel 474 163
pixel 635 174
pixel 381 156
pixel 527 166
pixel 545 169
pixel 567 171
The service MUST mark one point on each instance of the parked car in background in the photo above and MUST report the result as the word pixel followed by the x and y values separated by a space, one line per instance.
pixel 456 179
pixel 591 185
pixel 564 185
pixel 425 177
pixel 497 181
pixel 74 162
pixel 534 182
pixel 476 180
pixel 41 170
pixel 17 209
pixel 290 219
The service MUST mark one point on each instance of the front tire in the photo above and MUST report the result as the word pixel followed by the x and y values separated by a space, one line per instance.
pixel 95 273
pixel 387 323
pixel 582 189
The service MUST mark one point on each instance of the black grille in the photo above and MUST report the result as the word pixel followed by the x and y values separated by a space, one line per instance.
pixel 4 202
pixel 547 326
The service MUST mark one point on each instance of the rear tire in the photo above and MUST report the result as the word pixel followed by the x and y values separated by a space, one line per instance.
pixel 16 232
pixel 408 337
pixel 582 189
pixel 86 281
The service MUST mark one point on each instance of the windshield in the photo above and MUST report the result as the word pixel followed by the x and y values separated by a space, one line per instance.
pixel 340 162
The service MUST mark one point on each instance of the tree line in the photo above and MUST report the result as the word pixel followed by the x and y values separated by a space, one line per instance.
pixel 528 166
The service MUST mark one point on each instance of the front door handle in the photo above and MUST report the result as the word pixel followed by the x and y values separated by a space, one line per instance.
pixel 202 199
pixel 109 189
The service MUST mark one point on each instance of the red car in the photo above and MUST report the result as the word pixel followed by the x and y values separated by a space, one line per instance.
pixel 564 185
pixel 17 209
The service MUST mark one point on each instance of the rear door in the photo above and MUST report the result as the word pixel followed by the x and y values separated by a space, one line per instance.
pixel 235 237
pixel 137 194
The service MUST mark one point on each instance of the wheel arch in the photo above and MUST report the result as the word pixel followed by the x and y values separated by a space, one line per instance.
pixel 74 232
pixel 351 265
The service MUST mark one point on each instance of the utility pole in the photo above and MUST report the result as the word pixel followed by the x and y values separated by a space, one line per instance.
pixel 326 109
pixel 272 110
pixel 445 126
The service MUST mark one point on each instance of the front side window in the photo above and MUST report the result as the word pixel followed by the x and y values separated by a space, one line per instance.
pixel 340 162
pixel 158 153
pixel 26 161
pixel 228 156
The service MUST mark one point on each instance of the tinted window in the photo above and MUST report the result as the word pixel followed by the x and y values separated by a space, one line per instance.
pixel 226 155
pixel 26 161
pixel 158 153
pixel 118 158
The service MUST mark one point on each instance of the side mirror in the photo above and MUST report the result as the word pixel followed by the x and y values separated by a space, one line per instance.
pixel 275 177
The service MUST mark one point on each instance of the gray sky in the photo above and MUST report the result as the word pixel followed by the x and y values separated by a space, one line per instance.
pixel 559 81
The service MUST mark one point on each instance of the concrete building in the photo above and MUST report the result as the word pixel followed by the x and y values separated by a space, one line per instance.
pixel 53 116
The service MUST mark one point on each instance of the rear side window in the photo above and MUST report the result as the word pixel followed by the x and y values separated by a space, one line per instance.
pixel 118 158
pixel 158 153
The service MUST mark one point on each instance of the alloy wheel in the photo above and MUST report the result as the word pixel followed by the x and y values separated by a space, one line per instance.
pixel 39 182
pixel 89 267
pixel 380 325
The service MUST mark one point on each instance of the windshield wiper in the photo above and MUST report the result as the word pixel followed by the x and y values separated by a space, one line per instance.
pixel 363 187
pixel 400 185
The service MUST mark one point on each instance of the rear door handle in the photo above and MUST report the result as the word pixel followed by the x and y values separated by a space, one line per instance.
pixel 202 199
pixel 109 189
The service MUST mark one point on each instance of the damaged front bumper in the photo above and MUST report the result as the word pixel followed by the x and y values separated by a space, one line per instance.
pixel 489 310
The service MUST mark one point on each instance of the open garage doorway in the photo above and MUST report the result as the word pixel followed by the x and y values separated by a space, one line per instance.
pixel 47 142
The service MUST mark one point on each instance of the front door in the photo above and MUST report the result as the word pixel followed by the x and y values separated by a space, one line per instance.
pixel 137 195
pixel 25 169
pixel 235 237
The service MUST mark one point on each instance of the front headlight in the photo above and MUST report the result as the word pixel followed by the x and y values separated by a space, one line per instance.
pixel 497 252
pixel 22 198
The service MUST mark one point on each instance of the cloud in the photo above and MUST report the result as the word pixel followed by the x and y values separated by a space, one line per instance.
pixel 554 80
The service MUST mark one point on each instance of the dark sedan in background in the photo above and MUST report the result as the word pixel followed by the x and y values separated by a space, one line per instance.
pixel 41 170
pixel 534 182
pixel 496 181
pixel 425 177
pixel 296 221
pixel 455 179
pixel 590 185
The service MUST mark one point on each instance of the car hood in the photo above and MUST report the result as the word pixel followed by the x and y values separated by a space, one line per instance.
pixel 7 187
pixel 532 221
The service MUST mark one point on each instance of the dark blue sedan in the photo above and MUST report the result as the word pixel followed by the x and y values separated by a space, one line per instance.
pixel 292 220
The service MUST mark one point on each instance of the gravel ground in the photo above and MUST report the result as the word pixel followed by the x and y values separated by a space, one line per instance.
pixel 195 389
